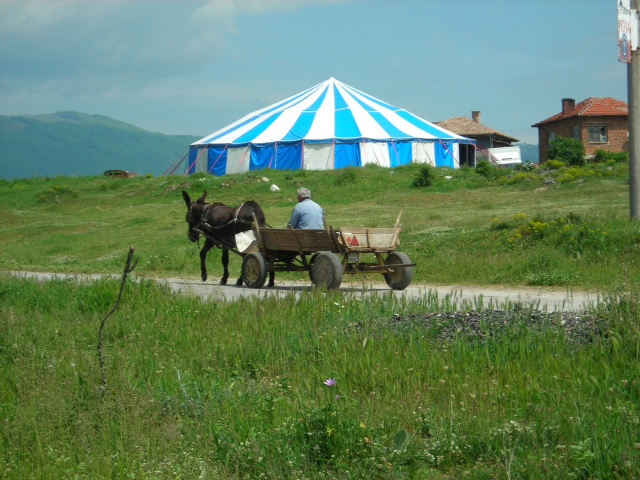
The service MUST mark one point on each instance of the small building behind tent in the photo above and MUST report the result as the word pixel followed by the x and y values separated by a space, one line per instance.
pixel 492 145
pixel 328 126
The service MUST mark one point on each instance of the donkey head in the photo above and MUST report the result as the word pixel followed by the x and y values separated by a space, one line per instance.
pixel 194 214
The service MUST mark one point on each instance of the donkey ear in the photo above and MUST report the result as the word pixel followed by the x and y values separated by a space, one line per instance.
pixel 202 198
pixel 187 199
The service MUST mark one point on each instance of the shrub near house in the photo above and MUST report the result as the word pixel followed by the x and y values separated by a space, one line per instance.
pixel 568 150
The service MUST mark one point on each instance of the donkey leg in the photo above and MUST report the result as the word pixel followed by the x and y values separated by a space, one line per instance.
pixel 225 266
pixel 272 280
pixel 203 259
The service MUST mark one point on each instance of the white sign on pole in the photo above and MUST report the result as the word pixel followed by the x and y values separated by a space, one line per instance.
pixel 625 17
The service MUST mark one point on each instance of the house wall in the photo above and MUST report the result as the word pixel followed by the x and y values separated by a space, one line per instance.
pixel 617 134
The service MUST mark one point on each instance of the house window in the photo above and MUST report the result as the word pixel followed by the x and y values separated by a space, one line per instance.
pixel 597 133
pixel 551 136
pixel 575 132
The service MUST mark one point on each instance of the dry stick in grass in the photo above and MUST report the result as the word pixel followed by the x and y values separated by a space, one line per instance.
pixel 127 270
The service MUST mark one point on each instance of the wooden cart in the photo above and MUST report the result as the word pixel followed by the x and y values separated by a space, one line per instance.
pixel 328 254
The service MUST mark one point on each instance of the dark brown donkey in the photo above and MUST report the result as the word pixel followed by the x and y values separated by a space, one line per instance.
pixel 219 224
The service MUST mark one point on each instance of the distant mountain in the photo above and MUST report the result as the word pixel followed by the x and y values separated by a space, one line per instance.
pixel 78 144
pixel 529 153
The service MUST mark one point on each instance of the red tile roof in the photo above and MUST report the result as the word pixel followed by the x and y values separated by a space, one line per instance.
pixel 470 128
pixel 591 107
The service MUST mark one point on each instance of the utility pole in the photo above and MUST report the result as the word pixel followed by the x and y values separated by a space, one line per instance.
pixel 633 92
pixel 629 52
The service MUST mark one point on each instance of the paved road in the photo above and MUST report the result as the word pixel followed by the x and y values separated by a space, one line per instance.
pixel 544 298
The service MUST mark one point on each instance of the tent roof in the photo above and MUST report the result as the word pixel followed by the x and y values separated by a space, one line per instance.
pixel 328 111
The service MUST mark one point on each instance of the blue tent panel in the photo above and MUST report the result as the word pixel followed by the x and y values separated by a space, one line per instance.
pixel 217 161
pixel 347 155
pixel 191 162
pixel 444 154
pixel 262 157
pixel 400 153
pixel 289 157
pixel 346 126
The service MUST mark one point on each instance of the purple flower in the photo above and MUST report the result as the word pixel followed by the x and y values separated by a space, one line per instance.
pixel 330 382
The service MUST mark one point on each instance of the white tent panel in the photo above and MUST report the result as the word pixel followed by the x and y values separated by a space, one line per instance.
pixel 455 148
pixel 238 159
pixel 324 124
pixel 201 161
pixel 376 153
pixel 424 152
pixel 318 156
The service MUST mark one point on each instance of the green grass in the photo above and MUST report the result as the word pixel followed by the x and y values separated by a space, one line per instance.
pixel 236 390
pixel 468 229
pixel 211 389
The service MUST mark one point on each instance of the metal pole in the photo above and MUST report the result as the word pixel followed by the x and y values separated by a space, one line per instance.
pixel 633 92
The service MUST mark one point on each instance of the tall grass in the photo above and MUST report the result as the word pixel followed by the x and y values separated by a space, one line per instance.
pixel 237 390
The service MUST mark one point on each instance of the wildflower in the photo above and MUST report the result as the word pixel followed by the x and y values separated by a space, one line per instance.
pixel 330 382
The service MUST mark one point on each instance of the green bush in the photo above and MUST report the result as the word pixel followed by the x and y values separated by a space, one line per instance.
pixel 348 176
pixel 425 177
pixel 569 150
pixel 602 156
pixel 553 165
pixel 484 168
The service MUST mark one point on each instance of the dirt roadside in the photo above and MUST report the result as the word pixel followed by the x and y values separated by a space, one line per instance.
pixel 552 300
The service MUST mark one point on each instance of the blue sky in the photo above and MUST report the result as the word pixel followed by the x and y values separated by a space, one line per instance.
pixel 192 67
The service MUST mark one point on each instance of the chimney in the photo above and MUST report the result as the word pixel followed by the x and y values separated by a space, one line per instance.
pixel 475 116
pixel 568 104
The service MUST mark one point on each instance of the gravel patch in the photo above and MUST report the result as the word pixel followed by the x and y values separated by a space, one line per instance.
pixel 482 325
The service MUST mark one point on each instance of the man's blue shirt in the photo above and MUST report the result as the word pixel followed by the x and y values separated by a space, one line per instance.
pixel 307 214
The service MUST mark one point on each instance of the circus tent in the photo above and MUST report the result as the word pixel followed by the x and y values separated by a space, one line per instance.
pixel 328 126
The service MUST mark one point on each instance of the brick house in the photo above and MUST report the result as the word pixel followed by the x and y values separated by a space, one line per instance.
pixel 599 123
pixel 487 140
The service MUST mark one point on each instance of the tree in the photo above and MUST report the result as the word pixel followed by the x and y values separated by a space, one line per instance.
pixel 569 150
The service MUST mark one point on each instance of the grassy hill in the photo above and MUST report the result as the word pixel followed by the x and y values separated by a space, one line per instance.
pixel 77 144
pixel 562 228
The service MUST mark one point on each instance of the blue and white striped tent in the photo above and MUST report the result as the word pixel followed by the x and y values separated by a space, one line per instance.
pixel 328 126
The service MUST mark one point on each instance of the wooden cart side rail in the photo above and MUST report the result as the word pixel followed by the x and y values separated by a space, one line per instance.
pixel 369 239
pixel 295 240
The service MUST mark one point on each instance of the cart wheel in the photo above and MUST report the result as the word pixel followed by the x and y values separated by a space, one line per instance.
pixel 311 260
pixel 254 270
pixel 402 276
pixel 326 271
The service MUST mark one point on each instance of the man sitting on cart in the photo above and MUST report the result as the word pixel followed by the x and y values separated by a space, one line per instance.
pixel 307 214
